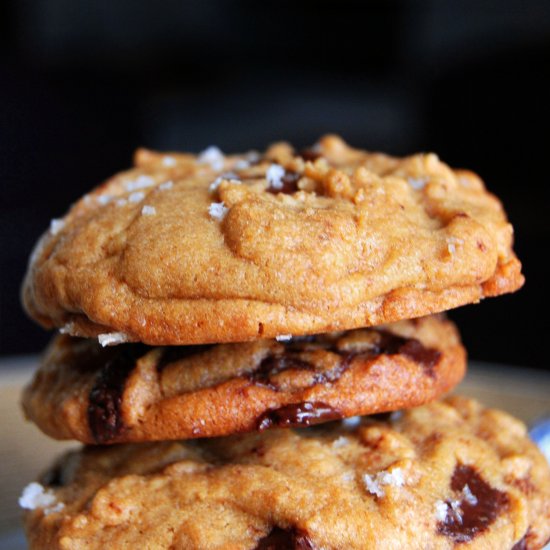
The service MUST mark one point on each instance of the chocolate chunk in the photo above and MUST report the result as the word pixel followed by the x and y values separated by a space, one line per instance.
pixel 285 539
pixel 290 184
pixel 392 344
pixel 274 364
pixel 105 398
pixel 298 415
pixel 172 354
pixel 474 514
pixel 309 154
pixel 427 357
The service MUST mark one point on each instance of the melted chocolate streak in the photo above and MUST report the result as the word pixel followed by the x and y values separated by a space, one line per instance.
pixel 105 399
pixel 477 517
pixel 298 415
pixel 389 344
pixel 283 539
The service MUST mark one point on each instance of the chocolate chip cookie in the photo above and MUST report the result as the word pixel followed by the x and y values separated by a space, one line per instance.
pixel 193 249
pixel 437 476
pixel 134 392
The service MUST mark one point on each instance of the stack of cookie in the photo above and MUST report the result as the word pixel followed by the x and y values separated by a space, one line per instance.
pixel 205 302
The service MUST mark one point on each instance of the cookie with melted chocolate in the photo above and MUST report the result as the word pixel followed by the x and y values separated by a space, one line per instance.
pixel 134 392
pixel 439 476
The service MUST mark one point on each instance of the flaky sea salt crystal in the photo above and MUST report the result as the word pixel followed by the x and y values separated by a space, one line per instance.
pixel 544 445
pixel 148 210
pixel 395 416
pixel 54 509
pixel 372 485
pixel 168 161
pixel 137 196
pixel 104 199
pixel 56 225
pixel 441 508
pixel 121 202
pixel 283 337
pixel 217 210
pixel 452 242
pixel 213 156
pixel 231 176
pixel 112 338
pixel 67 328
pixel 36 496
pixel 375 483
pixel 166 185
pixel 241 164
pixel 342 441
pixel 417 183
pixel 468 496
pixel 455 510
pixel 274 176
pixel 141 182
pixel 352 421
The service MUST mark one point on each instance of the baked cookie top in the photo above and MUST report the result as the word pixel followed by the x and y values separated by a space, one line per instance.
pixel 186 249
pixel 438 476
pixel 134 392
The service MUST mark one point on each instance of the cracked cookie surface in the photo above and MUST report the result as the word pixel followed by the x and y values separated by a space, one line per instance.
pixel 441 475
pixel 134 392
pixel 185 249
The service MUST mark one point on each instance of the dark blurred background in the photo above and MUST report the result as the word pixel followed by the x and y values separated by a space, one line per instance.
pixel 83 83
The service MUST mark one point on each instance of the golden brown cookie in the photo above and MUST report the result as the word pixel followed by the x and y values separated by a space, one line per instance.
pixel 186 249
pixel 134 392
pixel 441 476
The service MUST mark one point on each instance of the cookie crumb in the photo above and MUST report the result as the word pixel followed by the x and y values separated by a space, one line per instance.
pixel 374 483
pixel 138 196
pixel 56 225
pixel 213 156
pixel 168 161
pixel 274 176
pixel 166 185
pixel 141 182
pixel 148 210
pixel 112 338
pixel 218 210
pixel 35 496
